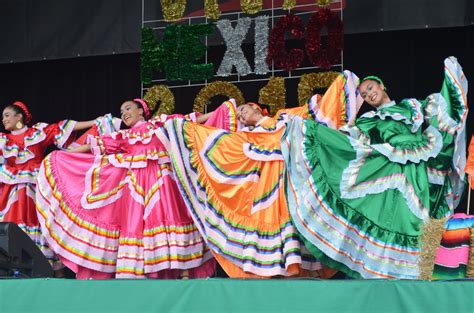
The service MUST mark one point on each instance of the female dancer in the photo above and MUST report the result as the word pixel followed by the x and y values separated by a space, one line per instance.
pixel 22 149
pixel 368 202
pixel 117 212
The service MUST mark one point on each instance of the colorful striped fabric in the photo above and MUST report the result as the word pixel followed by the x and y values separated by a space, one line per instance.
pixel 452 257
pixel 333 230
pixel 337 107
pixel 225 117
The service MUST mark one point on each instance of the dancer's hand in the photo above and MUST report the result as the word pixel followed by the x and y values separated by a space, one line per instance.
pixel 80 149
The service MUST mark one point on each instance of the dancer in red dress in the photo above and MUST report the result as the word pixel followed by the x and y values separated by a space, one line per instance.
pixel 22 148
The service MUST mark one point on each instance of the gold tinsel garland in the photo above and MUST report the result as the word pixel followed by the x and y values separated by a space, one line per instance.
pixel 217 88
pixel 160 93
pixel 288 4
pixel 211 9
pixel 430 241
pixel 309 82
pixel 470 262
pixel 274 94
pixel 323 3
pixel 173 10
pixel 251 6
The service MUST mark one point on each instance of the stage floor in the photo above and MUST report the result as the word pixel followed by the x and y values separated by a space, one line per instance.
pixel 232 295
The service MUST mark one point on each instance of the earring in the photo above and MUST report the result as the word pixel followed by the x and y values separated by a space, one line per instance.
pixel 19 125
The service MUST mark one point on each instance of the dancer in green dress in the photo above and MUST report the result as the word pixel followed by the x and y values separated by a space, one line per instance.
pixel 365 196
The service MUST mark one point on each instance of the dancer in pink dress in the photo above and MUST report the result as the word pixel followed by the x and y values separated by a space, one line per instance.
pixel 118 212
pixel 22 148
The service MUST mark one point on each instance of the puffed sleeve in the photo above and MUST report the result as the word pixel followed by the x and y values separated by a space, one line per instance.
pixel 108 144
pixel 447 112
pixel 104 125
pixel 59 133
pixel 397 134
pixel 225 117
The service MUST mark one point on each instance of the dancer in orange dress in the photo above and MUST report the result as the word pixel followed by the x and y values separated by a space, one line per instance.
pixel 234 186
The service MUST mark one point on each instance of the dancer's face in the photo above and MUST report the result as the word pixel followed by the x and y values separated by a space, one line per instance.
pixel 248 114
pixel 131 113
pixel 373 93
pixel 10 118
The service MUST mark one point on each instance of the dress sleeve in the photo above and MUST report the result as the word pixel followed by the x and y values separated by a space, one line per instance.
pixel 104 125
pixel 338 106
pixel 224 117
pixel 301 111
pixel 398 142
pixel 108 144
pixel 107 124
pixel 447 112
pixel 160 119
pixel 59 133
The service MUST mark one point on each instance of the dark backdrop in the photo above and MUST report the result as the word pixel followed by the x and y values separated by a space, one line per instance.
pixel 53 29
pixel 80 88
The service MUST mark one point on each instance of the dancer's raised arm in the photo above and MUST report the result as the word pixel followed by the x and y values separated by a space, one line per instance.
pixel 22 148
